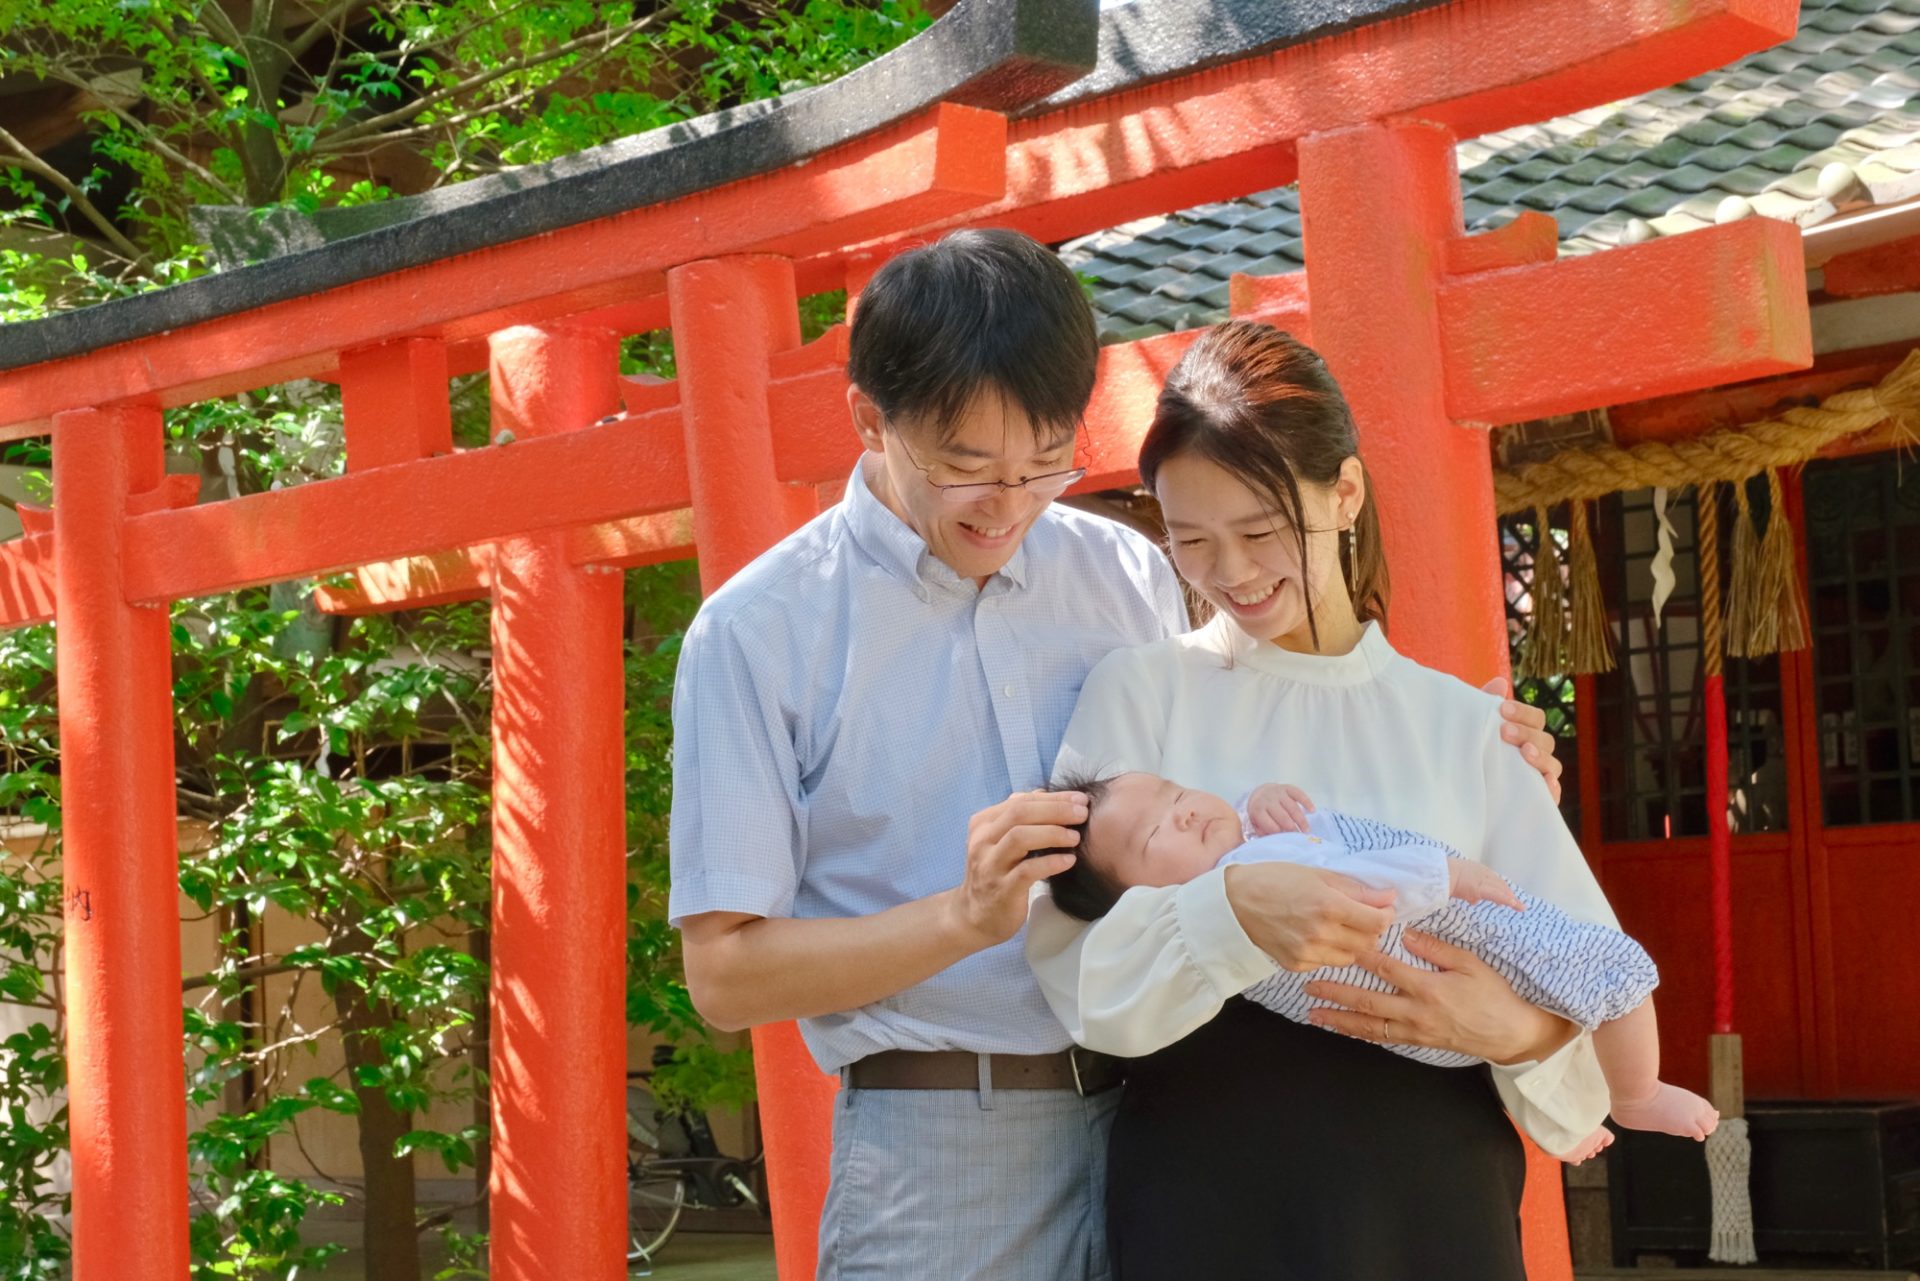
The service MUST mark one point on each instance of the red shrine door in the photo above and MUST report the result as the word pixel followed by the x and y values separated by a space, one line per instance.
pixel 1825 795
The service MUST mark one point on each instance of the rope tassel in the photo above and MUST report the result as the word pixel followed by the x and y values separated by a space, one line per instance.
pixel 1590 647
pixel 1545 654
pixel 1779 577
pixel 1751 627
pixel 1729 1172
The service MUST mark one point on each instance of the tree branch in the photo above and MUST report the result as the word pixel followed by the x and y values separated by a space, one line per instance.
pixel 399 115
pixel 153 140
pixel 321 25
pixel 33 164
pixel 454 122
pixel 449 41
pixel 266 1051
pixel 221 25
pixel 214 978
pixel 447 1213
pixel 30 1005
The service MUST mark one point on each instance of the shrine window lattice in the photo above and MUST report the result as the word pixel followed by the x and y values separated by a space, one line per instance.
pixel 1518 542
pixel 1650 737
pixel 1650 709
pixel 1863 571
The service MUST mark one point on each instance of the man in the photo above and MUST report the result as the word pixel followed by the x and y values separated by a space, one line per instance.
pixel 860 718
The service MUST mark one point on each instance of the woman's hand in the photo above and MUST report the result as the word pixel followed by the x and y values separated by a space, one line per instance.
pixel 1461 1005
pixel 1307 917
pixel 1526 728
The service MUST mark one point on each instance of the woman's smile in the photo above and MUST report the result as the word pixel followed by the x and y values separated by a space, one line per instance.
pixel 1250 602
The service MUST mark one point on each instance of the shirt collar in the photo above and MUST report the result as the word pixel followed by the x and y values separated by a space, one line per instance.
pixel 902 552
pixel 1361 664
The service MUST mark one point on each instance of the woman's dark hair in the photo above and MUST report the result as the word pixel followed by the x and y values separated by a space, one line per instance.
pixel 1263 406
pixel 976 311
pixel 1082 891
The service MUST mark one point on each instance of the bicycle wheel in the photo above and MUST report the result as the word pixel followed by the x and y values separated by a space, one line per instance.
pixel 655 1199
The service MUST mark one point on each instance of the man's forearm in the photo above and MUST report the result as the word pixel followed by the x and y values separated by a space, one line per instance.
pixel 744 971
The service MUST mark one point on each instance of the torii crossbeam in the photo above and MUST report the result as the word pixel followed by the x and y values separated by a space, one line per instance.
pixel 1432 333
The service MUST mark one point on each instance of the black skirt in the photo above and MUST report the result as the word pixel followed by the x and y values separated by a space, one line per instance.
pixel 1258 1149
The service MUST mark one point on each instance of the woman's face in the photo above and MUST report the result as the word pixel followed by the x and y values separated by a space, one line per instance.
pixel 1242 558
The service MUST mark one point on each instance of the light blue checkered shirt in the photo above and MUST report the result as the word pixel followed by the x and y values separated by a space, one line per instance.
pixel 847 702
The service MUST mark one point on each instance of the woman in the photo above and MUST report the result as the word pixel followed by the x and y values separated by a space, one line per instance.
pixel 1256 1147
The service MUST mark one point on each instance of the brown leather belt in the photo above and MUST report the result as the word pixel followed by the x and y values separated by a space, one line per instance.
pixel 1082 1071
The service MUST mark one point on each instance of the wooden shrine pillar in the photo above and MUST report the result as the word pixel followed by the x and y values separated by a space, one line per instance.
pixel 730 317
pixel 126 1086
pixel 1379 205
pixel 557 1192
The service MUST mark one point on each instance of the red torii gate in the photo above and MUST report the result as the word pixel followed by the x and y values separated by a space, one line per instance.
pixel 1428 330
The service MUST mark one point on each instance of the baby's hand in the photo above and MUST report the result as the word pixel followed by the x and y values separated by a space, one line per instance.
pixel 1472 882
pixel 1278 807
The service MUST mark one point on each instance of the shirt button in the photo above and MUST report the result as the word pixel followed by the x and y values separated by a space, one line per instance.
pixel 1008 691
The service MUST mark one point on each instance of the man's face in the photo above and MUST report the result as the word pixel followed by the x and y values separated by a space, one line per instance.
pixel 993 440
pixel 1152 831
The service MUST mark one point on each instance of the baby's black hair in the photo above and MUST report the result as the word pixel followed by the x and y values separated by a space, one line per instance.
pixel 1083 891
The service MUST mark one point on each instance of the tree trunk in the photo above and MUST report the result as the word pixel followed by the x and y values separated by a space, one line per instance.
pixel 388 1232
pixel 268 61
pixel 480 1054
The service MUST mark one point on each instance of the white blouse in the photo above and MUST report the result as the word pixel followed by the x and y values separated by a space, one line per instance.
pixel 1369 732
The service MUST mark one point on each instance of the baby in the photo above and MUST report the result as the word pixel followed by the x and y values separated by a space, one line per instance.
pixel 1145 830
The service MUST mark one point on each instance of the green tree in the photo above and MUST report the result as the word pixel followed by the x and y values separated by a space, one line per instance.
pixel 338 768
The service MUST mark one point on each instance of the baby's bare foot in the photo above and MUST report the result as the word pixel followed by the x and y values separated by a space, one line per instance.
pixel 1593 1145
pixel 1670 1110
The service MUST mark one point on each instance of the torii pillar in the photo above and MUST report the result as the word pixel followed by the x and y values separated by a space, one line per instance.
pixel 557 1061
pixel 731 317
pixel 124 1025
pixel 1434 335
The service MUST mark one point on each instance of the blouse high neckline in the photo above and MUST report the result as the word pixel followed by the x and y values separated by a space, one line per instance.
pixel 1365 661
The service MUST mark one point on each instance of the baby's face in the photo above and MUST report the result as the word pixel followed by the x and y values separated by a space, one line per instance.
pixel 1152 831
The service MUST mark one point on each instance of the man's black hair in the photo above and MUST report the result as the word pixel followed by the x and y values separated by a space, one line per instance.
pixel 1082 891
pixel 977 311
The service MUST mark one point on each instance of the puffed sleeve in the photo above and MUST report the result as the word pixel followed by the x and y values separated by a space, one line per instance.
pixel 1561 1100
pixel 1165 959
pixel 1120 721
pixel 737 833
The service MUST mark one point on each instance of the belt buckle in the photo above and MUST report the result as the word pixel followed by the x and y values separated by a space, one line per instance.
pixel 1073 1062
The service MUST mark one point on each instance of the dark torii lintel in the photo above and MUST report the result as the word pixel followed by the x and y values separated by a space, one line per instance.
pixel 1019 57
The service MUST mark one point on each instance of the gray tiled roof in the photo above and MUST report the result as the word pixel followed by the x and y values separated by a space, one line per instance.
pixel 1846 89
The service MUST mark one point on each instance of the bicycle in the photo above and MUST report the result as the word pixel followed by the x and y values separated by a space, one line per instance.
pixel 674 1163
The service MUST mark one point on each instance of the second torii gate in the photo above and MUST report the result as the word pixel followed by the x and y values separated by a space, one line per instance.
pixel 1431 332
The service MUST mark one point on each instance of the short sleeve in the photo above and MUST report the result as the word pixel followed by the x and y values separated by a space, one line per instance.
pixel 1119 723
pixel 737 833
pixel 1560 1100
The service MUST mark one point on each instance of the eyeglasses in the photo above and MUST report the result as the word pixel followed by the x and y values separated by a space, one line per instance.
pixel 1047 485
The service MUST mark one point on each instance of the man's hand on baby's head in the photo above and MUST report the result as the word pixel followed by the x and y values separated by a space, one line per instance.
pixel 990 904
pixel 1472 882
pixel 1278 807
